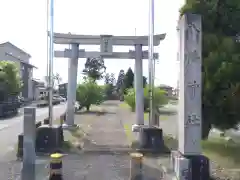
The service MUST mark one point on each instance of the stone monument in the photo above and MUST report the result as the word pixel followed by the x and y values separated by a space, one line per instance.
pixel 29 136
pixel 188 161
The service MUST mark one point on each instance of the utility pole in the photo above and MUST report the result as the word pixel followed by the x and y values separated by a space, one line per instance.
pixel 51 55
pixel 151 63
pixel 48 55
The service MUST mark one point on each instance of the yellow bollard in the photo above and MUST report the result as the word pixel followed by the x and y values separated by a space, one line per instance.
pixel 55 172
pixel 136 166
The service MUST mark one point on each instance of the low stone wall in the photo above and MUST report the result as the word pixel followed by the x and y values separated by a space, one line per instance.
pixel 47 138
pixel 20 141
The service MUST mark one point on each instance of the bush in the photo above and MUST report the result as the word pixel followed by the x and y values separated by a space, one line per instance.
pixel 129 98
pixel 159 98
pixel 89 93
pixel 9 79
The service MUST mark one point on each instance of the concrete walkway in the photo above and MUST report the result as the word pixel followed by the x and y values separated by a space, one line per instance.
pixel 100 159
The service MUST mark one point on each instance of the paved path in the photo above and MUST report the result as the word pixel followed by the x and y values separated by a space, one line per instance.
pixel 106 148
pixel 105 134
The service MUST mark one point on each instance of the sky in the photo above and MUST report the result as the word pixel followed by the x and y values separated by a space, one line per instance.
pixel 24 23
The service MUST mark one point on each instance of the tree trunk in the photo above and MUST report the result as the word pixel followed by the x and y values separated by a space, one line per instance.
pixel 88 107
pixel 206 127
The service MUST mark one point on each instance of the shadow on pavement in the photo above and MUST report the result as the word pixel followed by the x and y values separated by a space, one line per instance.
pixel 8 117
pixel 97 113
pixel 92 148
pixel 167 112
pixel 151 173
pixel 115 104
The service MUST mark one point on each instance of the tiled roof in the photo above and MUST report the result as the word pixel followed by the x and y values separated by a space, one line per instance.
pixel 15 47
pixel 18 49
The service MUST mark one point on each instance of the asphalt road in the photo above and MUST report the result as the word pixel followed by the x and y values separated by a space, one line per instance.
pixel 10 128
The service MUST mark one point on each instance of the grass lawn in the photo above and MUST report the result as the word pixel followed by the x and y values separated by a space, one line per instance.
pixel 223 153
pixel 124 105
pixel 146 115
pixel 162 117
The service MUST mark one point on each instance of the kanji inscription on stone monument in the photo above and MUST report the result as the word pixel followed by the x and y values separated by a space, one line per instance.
pixel 106 45
pixel 192 35
pixel 193 88
pixel 193 119
pixel 190 85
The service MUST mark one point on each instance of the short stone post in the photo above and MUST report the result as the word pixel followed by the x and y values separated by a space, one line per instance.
pixel 136 166
pixel 188 162
pixel 29 137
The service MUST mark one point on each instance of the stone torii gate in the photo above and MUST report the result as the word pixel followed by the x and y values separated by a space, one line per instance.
pixel 106 43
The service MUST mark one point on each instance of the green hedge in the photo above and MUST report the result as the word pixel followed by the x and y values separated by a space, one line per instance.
pixel 159 98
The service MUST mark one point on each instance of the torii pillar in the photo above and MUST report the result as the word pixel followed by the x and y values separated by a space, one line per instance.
pixel 72 84
pixel 138 82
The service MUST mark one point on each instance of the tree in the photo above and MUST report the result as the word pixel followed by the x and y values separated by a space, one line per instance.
pixel 57 79
pixel 144 81
pixel 89 93
pixel 129 79
pixel 221 61
pixel 109 79
pixel 94 68
pixel 10 81
pixel 120 81
pixel 109 84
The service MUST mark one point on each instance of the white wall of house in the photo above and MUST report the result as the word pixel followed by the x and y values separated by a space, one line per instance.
pixel 10 52
pixel 39 93
pixel 30 85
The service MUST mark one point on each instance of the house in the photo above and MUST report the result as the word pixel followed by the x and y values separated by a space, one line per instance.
pixel 10 52
pixel 39 89
pixel 62 89
pixel 168 89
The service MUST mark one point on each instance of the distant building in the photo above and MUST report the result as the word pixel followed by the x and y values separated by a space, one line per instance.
pixel 39 89
pixel 168 89
pixel 10 52
pixel 62 89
